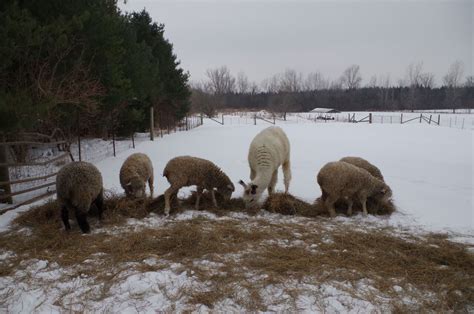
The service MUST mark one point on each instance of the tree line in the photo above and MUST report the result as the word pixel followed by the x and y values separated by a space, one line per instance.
pixel 291 91
pixel 85 67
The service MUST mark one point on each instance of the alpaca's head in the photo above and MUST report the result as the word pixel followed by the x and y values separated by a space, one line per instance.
pixel 251 194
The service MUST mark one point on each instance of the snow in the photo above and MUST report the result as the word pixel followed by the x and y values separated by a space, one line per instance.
pixel 430 170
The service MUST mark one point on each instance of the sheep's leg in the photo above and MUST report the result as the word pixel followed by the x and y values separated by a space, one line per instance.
pixel 349 203
pixel 273 181
pixel 168 194
pixel 65 217
pixel 150 184
pixel 213 198
pixel 286 175
pixel 330 201
pixel 82 221
pixel 198 197
pixel 99 203
pixel 363 201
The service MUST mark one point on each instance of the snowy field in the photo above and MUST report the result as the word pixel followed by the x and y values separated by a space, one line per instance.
pixel 430 170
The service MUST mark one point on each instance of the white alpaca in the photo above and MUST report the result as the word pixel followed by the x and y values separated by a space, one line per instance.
pixel 269 150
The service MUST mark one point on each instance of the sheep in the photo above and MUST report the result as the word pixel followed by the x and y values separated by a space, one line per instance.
pixel 269 150
pixel 78 186
pixel 364 164
pixel 186 171
pixel 341 180
pixel 135 172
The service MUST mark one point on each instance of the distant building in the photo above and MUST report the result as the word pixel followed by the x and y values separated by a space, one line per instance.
pixel 325 110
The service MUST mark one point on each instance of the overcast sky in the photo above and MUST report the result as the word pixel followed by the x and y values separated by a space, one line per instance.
pixel 265 37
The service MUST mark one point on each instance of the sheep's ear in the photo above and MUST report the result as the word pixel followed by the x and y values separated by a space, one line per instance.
pixel 243 183
pixel 231 187
pixel 254 189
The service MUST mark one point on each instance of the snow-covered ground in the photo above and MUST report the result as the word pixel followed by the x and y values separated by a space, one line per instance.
pixel 430 170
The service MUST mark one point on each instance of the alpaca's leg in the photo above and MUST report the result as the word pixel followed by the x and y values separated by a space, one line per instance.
pixel 286 175
pixel 273 181
pixel 252 174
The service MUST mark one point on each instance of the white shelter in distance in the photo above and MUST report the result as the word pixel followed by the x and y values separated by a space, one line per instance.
pixel 324 110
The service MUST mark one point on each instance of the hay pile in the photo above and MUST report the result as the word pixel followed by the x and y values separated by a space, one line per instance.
pixel 287 204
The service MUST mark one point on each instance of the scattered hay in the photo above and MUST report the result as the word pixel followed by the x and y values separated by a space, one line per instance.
pixel 315 252
pixel 287 204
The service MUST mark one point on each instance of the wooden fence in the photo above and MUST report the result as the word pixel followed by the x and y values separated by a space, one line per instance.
pixel 14 155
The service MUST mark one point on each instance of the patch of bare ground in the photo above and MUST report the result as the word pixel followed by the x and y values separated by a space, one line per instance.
pixel 238 258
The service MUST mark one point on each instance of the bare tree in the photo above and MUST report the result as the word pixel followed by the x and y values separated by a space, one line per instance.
pixel 351 77
pixel 220 81
pixel 372 82
pixel 201 99
pixel 253 88
pixel 469 81
pixel 271 84
pixel 426 80
pixel 243 84
pixel 414 74
pixel 454 76
pixel 315 81
pixel 291 81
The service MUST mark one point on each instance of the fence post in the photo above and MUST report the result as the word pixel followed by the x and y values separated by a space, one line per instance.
pixel 439 117
pixel 370 118
pixel 133 140
pixel 255 119
pixel 401 118
pixel 113 141
pixel 79 145
pixel 202 122
pixel 5 176
pixel 152 124
pixel 348 117
pixel 429 122
pixel 186 123
pixel 421 115
pixel 222 119
pixel 463 123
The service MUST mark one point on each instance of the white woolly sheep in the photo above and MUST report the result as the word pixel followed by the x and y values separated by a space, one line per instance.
pixel 135 172
pixel 269 150
pixel 341 180
pixel 364 164
pixel 186 171
pixel 78 186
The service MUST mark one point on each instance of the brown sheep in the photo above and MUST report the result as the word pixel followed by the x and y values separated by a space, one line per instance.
pixel 186 171
pixel 364 164
pixel 341 180
pixel 135 172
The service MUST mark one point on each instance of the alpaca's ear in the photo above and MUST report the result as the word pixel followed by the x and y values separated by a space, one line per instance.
pixel 231 187
pixel 129 183
pixel 243 184
pixel 383 191
pixel 254 189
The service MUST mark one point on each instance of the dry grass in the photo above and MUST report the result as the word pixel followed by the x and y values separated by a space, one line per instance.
pixel 252 253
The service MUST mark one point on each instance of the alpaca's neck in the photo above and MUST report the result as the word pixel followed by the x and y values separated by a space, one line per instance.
pixel 262 180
